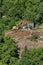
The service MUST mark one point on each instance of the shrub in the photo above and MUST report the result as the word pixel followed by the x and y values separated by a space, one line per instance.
pixel 34 37
pixel 30 27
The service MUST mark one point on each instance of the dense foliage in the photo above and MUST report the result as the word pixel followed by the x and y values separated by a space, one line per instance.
pixel 9 54
pixel 32 57
pixel 8 51
pixel 12 11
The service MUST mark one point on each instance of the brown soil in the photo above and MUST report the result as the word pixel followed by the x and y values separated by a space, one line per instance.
pixel 22 38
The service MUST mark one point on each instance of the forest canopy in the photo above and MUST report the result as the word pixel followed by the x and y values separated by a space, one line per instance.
pixel 12 11
pixel 15 9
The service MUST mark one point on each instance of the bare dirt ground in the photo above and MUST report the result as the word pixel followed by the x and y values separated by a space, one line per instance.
pixel 22 38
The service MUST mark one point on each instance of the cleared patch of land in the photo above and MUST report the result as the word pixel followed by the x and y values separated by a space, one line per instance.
pixel 23 38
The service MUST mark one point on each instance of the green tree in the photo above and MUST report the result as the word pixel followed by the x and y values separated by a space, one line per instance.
pixel 8 51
